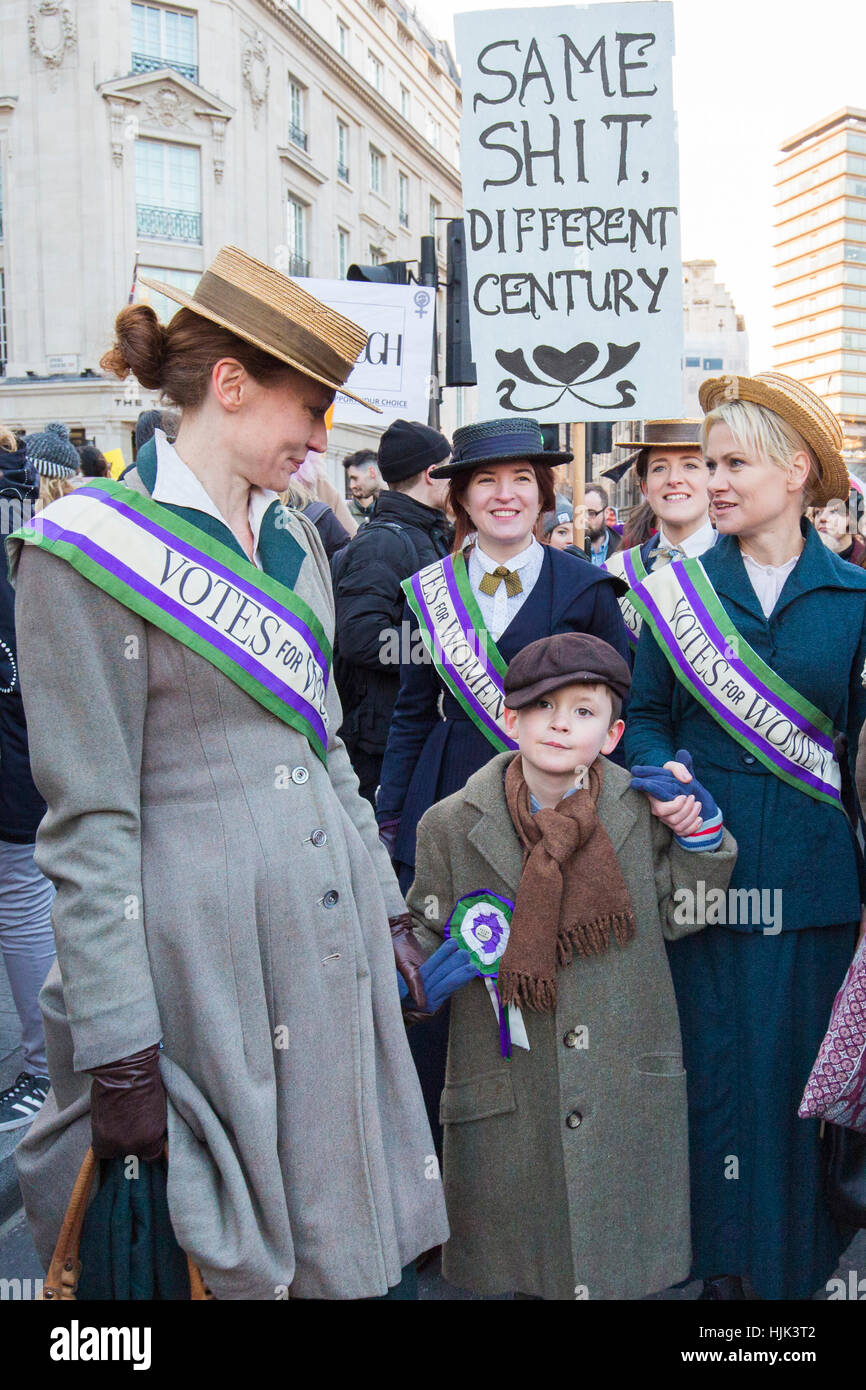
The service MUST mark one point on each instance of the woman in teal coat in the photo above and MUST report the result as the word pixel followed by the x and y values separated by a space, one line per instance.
pixel 755 990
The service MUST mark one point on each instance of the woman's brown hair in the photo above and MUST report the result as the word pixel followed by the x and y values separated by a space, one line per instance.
pixel 459 485
pixel 640 526
pixel 177 359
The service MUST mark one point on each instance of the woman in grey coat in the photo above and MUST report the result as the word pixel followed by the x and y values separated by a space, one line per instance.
pixel 225 964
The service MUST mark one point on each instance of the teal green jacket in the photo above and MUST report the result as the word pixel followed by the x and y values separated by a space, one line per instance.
pixel 815 639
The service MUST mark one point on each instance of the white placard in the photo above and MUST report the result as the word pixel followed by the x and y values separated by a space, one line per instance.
pixel 393 371
pixel 571 203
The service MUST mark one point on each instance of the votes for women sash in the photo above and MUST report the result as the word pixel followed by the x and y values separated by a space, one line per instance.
pixel 628 565
pixel 784 730
pixel 199 591
pixel 463 652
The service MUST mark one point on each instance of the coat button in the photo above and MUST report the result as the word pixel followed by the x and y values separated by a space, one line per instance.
pixel 570 1038
pixel 318 838
pixel 300 775
pixel 573 1119
pixel 749 758
pixel 331 898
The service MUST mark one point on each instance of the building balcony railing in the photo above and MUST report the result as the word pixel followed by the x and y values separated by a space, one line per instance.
pixel 147 62
pixel 298 266
pixel 404 219
pixel 343 172
pixel 168 224
pixel 297 136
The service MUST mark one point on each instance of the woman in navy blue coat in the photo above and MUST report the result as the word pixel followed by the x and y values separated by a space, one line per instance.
pixel 504 476
pixel 755 989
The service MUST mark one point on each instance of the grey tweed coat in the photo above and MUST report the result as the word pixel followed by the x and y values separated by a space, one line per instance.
pixel 193 906
pixel 566 1168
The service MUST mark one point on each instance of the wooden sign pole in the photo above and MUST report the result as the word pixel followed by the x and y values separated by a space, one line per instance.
pixel 578 483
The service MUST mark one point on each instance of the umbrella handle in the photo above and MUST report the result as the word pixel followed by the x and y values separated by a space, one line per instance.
pixel 64 1271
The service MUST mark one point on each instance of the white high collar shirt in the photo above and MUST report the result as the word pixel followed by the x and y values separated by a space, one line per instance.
pixel 177 484
pixel 693 545
pixel 768 581
pixel 498 610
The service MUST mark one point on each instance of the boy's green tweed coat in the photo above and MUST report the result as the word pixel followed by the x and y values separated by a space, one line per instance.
pixel 598 1207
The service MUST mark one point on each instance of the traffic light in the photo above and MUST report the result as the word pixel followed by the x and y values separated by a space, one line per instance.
pixel 550 438
pixel 388 273
pixel 459 367
pixel 600 439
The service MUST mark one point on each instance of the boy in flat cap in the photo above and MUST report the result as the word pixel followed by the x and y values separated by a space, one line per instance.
pixel 564 1107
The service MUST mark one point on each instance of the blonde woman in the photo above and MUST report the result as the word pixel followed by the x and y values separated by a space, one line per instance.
pixel 749 660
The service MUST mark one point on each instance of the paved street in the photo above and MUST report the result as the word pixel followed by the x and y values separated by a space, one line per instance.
pixel 18 1259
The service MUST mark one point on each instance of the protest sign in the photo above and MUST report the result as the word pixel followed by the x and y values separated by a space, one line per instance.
pixel 393 371
pixel 570 190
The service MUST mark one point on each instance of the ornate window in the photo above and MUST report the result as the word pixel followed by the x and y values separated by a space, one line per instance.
pixel 164 38
pixel 403 188
pixel 162 306
pixel 376 70
pixel 342 252
pixel 297 130
pixel 342 151
pixel 377 164
pixel 296 235
pixel 168 191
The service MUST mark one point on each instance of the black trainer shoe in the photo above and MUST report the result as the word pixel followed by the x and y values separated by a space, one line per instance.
pixel 22 1102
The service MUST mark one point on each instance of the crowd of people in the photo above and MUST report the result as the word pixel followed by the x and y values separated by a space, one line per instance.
pixel 375 834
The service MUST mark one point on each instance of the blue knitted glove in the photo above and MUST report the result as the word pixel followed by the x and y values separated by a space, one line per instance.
pixel 661 783
pixel 447 970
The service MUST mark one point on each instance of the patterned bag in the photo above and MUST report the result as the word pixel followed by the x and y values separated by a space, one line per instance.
pixel 836 1089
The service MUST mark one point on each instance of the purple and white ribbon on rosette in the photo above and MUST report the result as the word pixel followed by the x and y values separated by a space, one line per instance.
pixel 480 923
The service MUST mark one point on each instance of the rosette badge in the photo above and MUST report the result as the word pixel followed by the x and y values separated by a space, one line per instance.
pixel 481 925
pixel 483 932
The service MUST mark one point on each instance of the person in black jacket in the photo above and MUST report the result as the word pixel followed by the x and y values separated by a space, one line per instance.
pixel 26 939
pixel 408 531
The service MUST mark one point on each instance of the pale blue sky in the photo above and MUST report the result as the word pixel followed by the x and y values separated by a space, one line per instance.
pixel 747 75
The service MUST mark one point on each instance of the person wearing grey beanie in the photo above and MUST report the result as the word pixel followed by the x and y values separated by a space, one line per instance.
pixel 557 525
pixel 52 453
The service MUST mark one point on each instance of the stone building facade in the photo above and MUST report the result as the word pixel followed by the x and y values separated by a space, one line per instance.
pixel 312 135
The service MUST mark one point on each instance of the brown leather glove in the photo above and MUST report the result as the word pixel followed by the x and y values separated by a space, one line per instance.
pixel 127 1107
pixel 408 956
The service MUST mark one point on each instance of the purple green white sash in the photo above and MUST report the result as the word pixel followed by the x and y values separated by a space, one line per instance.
pixel 464 654
pixel 784 730
pixel 480 923
pixel 628 565
pixel 199 591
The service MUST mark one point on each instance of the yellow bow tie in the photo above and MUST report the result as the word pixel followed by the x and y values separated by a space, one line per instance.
pixel 664 555
pixel 490 582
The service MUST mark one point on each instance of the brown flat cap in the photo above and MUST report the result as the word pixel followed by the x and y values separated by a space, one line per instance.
pixel 564 659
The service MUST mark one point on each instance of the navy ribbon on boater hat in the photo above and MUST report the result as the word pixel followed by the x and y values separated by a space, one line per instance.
pixel 480 923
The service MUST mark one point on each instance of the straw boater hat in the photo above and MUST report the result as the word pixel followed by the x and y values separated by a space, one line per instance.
pixel 497 441
pixel 801 408
pixel 657 434
pixel 267 309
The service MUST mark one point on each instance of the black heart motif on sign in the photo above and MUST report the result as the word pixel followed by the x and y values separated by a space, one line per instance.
pixel 565 366
pixel 569 369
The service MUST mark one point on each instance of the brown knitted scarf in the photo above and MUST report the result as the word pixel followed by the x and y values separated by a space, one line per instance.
pixel 571 896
